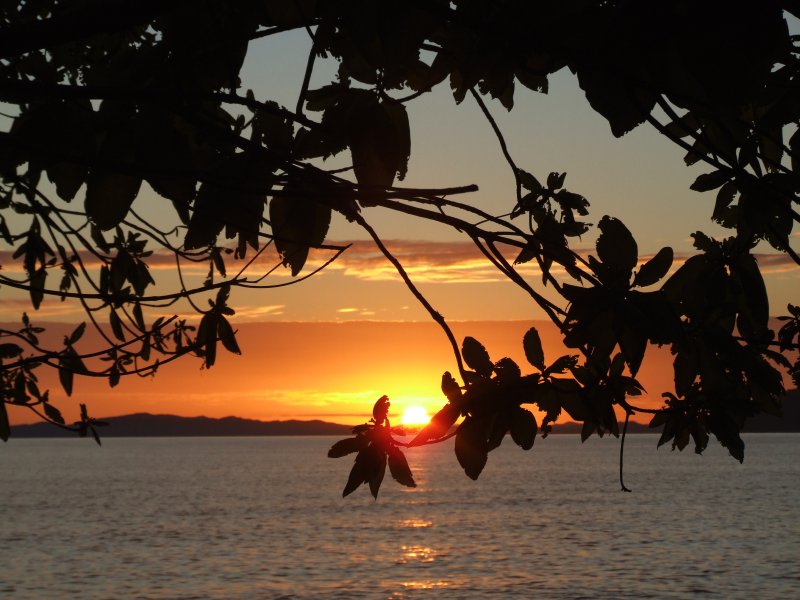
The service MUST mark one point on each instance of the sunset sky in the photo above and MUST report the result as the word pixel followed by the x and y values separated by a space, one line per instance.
pixel 328 347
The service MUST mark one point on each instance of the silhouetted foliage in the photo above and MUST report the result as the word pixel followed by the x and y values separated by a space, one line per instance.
pixel 103 97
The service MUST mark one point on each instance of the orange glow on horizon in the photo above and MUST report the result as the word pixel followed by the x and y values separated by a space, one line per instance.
pixel 415 415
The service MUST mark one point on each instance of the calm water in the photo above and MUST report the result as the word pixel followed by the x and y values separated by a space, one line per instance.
pixel 263 518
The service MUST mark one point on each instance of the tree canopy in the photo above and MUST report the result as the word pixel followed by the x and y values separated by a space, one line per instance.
pixel 103 97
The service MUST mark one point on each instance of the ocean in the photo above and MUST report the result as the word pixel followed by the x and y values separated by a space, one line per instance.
pixel 264 518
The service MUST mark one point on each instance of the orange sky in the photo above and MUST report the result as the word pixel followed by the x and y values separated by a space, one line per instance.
pixel 301 364
pixel 330 371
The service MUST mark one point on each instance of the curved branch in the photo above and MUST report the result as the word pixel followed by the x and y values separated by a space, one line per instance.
pixel 436 316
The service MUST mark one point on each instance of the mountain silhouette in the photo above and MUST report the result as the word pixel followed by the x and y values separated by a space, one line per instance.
pixel 149 425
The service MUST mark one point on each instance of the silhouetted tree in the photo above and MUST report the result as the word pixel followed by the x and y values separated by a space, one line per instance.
pixel 103 96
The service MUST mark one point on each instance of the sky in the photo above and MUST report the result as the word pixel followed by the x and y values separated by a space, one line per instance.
pixel 329 346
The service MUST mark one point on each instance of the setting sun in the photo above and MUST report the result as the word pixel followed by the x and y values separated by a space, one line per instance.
pixel 415 415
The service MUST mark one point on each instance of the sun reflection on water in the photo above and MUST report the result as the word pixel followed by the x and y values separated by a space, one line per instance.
pixel 417 554
pixel 415 524
pixel 425 585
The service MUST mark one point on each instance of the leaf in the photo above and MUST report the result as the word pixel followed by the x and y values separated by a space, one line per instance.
pixel 116 325
pixel 616 247
pixel 227 335
pixel 138 316
pixel 77 333
pixel 710 181
pixel 753 289
pixel 233 199
pixel 498 430
pixel 507 370
pixel 725 196
pixel 109 197
pixel 670 428
pixel 528 181
pixel 377 470
pixel 561 364
pixel 587 430
pixel 476 357
pixel 347 446
pixel 65 376
pixel 377 134
pixel 681 438
pixel 573 201
pixel 555 180
pixel 450 387
pixel 113 377
pixel 527 254
pixel 381 409
pixel 633 344
pixel 727 433
pixel 439 425
pixel 358 474
pixel 532 344
pixel 523 428
pixel 700 437
pixel 299 220
pixel 37 287
pixel 568 393
pixel 655 268
pixel 5 427
pixel 52 413
pixel 68 177
pixel 207 338
pixel 398 467
pixel 9 350
pixel 624 106
pixel 471 447
pixel 95 435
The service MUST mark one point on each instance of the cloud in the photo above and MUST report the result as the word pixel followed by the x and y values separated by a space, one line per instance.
pixel 51 308
pixel 257 312
pixel 424 261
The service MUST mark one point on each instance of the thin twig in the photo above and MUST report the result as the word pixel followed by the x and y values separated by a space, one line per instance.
pixel 501 140
pixel 622 450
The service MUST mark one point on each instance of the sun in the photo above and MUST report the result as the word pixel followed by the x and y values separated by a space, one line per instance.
pixel 415 415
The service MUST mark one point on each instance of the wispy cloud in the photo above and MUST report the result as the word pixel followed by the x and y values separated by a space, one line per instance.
pixel 257 312
pixel 424 261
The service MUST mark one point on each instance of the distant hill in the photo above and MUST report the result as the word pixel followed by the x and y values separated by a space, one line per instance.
pixel 147 425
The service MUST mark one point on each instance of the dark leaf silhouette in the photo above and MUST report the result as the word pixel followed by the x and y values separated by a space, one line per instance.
pixel 654 269
pixel 471 446
pixel 381 409
pixel 616 246
pixel 533 348
pixel 300 220
pixel 477 357
pixel 439 425
pixel 523 428
pixel 8 350
pixel 710 181
pixel 5 428
pixel 398 467
pixel 450 387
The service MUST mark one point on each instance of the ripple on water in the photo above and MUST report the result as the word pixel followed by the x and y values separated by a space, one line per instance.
pixel 262 518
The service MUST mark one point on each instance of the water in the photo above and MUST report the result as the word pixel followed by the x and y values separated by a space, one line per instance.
pixel 263 518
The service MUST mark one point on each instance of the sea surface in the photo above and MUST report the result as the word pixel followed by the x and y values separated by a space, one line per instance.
pixel 264 518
